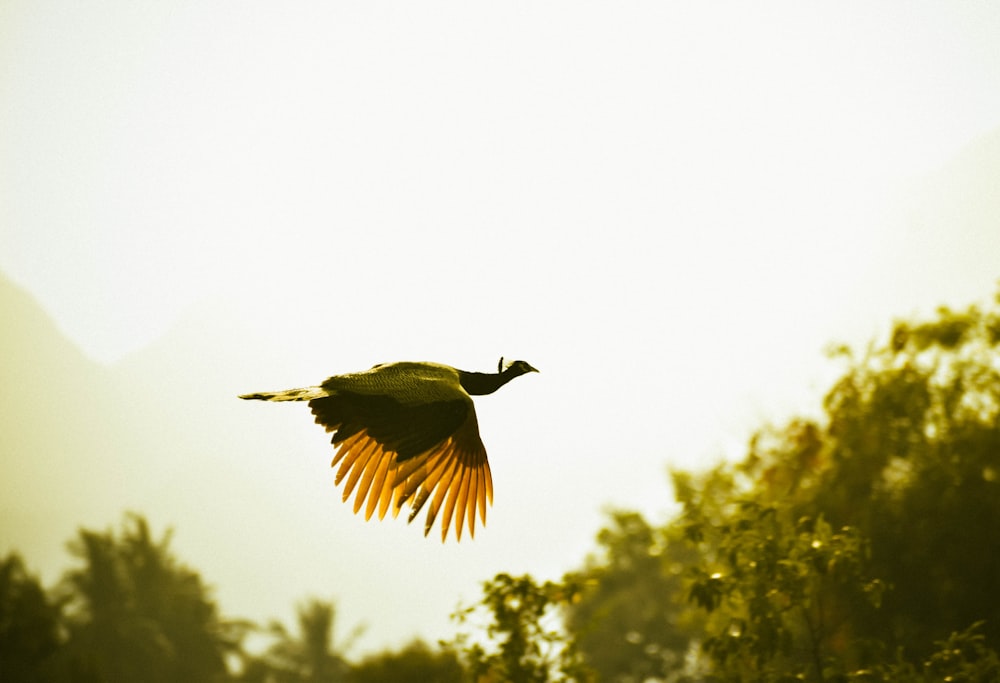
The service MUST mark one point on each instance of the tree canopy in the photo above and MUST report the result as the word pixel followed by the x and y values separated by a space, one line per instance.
pixel 864 542
pixel 134 613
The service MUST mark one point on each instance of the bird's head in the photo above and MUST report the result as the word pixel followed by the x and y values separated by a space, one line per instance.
pixel 514 367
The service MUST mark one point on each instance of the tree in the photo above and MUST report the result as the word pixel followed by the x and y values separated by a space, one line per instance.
pixel 630 620
pixel 29 624
pixel 524 642
pixel 837 544
pixel 782 593
pixel 135 613
pixel 914 430
pixel 313 655
pixel 415 663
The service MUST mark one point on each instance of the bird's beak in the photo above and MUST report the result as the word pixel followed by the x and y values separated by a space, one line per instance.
pixel 531 369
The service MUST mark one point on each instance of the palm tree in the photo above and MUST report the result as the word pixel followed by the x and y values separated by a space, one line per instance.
pixel 312 656
pixel 135 613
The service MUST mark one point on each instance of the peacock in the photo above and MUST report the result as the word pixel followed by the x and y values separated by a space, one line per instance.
pixel 407 432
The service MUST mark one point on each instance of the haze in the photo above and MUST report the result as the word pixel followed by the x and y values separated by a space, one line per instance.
pixel 670 210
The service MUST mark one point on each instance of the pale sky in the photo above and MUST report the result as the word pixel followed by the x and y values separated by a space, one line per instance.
pixel 669 208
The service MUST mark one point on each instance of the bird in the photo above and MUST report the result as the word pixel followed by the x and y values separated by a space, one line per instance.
pixel 407 432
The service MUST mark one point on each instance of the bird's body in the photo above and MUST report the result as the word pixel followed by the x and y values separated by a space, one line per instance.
pixel 407 432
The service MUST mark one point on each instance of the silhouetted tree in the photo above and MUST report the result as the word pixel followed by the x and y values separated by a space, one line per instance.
pixel 135 614
pixel 961 658
pixel 631 620
pixel 913 433
pixel 313 655
pixel 837 543
pixel 525 642
pixel 29 624
pixel 783 592
pixel 415 663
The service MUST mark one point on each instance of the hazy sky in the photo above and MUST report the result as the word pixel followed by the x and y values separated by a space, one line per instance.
pixel 668 208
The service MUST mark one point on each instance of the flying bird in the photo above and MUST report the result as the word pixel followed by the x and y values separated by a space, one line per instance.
pixel 407 432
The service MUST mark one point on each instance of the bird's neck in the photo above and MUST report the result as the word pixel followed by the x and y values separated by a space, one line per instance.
pixel 480 383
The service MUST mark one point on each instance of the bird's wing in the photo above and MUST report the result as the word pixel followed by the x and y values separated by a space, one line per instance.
pixel 393 452
pixel 456 475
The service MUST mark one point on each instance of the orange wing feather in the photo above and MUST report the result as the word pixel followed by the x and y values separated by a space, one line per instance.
pixel 454 475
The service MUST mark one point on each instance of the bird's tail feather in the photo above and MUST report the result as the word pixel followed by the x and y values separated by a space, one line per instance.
pixel 305 394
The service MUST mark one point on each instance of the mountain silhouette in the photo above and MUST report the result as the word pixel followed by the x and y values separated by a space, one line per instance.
pixel 162 432
pixel 58 440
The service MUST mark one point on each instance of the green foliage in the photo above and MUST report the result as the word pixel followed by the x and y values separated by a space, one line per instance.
pixel 523 642
pixel 415 663
pixel 29 624
pixel 312 656
pixel 135 613
pixel 962 658
pixel 833 544
pixel 965 658
pixel 914 433
pixel 778 591
pixel 630 619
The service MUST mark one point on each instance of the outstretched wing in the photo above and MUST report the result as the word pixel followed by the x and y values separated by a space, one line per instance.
pixel 392 453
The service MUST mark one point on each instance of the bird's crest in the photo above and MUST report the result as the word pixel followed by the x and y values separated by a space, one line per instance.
pixel 504 366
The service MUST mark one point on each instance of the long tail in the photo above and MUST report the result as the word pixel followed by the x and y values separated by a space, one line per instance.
pixel 306 394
